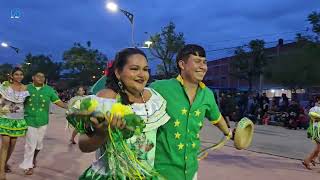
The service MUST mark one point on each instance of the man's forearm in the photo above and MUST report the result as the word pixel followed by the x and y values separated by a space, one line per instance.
pixel 61 104
pixel 222 125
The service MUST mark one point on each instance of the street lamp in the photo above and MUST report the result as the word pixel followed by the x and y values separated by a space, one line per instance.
pixel 148 43
pixel 114 8
pixel 3 44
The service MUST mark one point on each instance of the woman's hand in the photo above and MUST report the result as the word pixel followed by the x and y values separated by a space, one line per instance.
pixel 98 131
pixel 116 121
pixel 101 127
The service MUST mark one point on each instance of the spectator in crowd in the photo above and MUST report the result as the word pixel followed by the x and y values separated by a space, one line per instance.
pixel 284 102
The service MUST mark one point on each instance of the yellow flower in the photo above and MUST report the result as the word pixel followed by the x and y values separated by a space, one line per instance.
pixel 93 105
pixel 120 109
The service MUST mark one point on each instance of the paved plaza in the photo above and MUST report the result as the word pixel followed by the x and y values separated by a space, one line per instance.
pixel 274 154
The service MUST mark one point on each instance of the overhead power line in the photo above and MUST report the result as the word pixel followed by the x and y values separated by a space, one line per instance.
pixel 234 47
pixel 257 36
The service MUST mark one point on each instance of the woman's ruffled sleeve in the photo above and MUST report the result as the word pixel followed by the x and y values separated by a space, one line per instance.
pixel 158 115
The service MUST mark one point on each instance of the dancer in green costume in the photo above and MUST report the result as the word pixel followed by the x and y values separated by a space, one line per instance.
pixel 189 102
pixel 313 133
pixel 12 122
pixel 37 118
pixel 126 85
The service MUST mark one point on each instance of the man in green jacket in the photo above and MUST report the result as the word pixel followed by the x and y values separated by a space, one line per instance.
pixel 189 102
pixel 37 117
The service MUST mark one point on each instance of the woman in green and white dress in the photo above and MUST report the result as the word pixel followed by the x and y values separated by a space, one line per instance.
pixel 79 94
pixel 126 84
pixel 313 133
pixel 12 123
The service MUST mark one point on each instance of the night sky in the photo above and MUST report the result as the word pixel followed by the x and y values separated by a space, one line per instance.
pixel 50 27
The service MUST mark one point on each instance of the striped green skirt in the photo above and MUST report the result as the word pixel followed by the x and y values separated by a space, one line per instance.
pixel 13 127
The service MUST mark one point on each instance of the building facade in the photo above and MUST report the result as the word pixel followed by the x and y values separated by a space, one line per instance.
pixel 219 72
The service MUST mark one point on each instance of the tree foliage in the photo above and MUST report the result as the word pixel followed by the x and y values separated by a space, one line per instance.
pixel 314 20
pixel 84 64
pixel 41 63
pixel 248 65
pixel 5 70
pixel 164 46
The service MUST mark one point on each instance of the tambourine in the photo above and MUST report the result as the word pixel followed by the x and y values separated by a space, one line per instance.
pixel 243 134
pixel 242 137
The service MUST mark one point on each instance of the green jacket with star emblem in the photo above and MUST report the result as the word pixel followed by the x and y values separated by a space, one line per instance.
pixel 37 105
pixel 178 141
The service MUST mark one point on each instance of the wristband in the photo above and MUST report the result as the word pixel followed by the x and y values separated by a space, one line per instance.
pixel 229 135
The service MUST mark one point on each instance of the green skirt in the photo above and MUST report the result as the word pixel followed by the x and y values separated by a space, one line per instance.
pixel 313 132
pixel 13 127
pixel 90 174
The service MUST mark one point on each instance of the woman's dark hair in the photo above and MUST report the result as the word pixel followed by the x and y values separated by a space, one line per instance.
pixel 15 70
pixel 119 62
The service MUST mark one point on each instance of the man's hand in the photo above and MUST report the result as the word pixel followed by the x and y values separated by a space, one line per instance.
pixel 230 134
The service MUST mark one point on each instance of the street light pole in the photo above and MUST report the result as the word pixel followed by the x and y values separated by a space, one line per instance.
pixel 3 44
pixel 131 19
pixel 114 7
pixel 132 34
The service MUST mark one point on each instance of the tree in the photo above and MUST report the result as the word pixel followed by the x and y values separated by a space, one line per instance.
pixel 5 70
pixel 249 65
pixel 164 47
pixel 314 20
pixel 42 63
pixel 84 65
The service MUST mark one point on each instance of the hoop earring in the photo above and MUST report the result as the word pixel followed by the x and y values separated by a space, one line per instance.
pixel 120 86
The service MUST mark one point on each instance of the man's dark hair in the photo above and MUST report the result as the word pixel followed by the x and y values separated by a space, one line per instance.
pixel 187 50
pixel 36 72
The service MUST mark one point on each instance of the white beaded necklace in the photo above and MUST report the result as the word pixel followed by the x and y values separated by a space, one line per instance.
pixel 145 106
